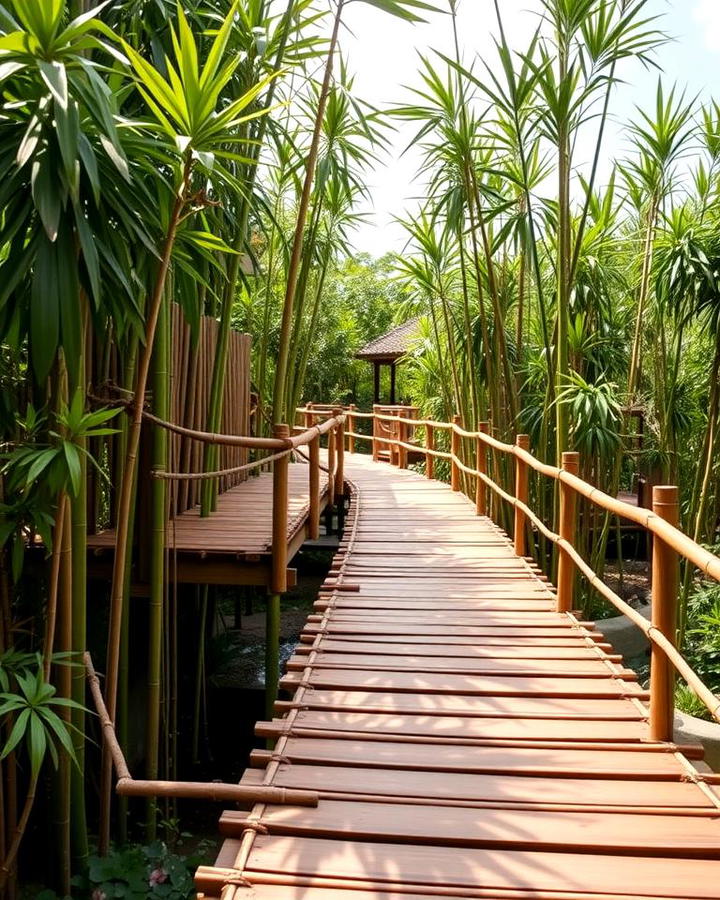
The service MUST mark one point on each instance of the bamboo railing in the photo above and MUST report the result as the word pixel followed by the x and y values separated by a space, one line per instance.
pixel 128 786
pixel 283 443
pixel 669 543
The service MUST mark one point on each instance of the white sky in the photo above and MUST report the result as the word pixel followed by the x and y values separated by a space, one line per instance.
pixel 383 53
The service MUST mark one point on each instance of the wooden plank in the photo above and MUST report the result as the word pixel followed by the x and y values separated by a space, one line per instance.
pixel 357 820
pixel 497 869
pixel 464 787
pixel 451 704
pixel 614 764
pixel 501 686
pixel 471 728
pixel 473 651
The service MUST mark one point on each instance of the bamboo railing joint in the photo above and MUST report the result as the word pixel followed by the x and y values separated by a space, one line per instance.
pixel 214 791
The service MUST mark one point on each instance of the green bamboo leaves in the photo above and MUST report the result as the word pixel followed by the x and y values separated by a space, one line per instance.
pixel 60 115
pixel 34 708
pixel 402 9
pixel 185 104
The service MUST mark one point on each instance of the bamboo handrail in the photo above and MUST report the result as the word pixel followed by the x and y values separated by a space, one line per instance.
pixel 285 443
pixel 128 786
pixel 248 441
pixel 707 562
pixel 235 470
pixel 668 534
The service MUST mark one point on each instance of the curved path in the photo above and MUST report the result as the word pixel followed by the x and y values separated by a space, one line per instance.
pixel 465 739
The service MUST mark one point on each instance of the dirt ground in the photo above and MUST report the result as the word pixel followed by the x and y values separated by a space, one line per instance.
pixel 633 584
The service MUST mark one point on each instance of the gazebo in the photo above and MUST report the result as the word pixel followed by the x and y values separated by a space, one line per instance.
pixel 388 350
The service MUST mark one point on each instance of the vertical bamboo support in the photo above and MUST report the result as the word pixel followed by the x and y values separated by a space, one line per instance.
pixel 481 466
pixel 455 455
pixel 429 445
pixel 308 417
pixel 568 526
pixel 665 580
pixel 375 426
pixel 331 466
pixel 314 454
pixel 278 575
pixel 340 454
pixel 278 582
pixel 521 493
pixel 351 429
pixel 402 436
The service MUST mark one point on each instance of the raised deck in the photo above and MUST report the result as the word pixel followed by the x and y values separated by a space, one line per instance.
pixel 465 739
pixel 232 545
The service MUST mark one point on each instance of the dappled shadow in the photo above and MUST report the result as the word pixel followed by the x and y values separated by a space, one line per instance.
pixel 462 742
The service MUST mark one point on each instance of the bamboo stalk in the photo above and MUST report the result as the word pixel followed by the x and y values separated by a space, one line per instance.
pixel 122 548
pixel 455 454
pixel 156 606
pixel 279 411
pixel 521 493
pixel 665 580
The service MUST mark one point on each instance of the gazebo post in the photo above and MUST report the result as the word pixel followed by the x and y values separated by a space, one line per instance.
pixel 376 364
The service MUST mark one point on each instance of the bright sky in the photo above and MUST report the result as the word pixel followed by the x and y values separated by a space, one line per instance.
pixel 383 52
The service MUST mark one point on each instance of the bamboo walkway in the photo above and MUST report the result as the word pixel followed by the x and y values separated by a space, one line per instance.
pixel 234 544
pixel 465 739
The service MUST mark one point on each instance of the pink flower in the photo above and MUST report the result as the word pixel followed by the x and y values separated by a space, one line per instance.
pixel 97 894
pixel 157 876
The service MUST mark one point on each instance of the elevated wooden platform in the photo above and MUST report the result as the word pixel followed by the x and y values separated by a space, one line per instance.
pixel 465 739
pixel 233 545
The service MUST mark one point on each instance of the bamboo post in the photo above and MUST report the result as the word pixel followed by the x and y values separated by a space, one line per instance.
pixel 455 454
pixel 308 417
pixel 314 458
pixel 278 574
pixel 402 451
pixel 351 429
pixel 340 453
pixel 481 466
pixel 521 493
pixel 375 426
pixel 665 579
pixel 429 445
pixel 278 582
pixel 568 525
pixel 331 466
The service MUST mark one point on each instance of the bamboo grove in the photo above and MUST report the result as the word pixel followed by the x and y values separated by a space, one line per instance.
pixel 563 295
pixel 208 159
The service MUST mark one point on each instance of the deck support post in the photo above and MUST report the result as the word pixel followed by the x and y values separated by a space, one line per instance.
pixel 340 470
pixel 331 451
pixel 429 445
pixel 402 433
pixel 340 454
pixel 375 443
pixel 455 455
pixel 665 580
pixel 308 417
pixel 568 527
pixel 481 466
pixel 351 429
pixel 314 487
pixel 521 493
pixel 278 576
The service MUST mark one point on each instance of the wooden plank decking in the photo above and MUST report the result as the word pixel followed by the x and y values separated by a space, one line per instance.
pixel 465 739
pixel 233 544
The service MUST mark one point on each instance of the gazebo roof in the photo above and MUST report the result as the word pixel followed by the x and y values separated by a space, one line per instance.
pixel 391 346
